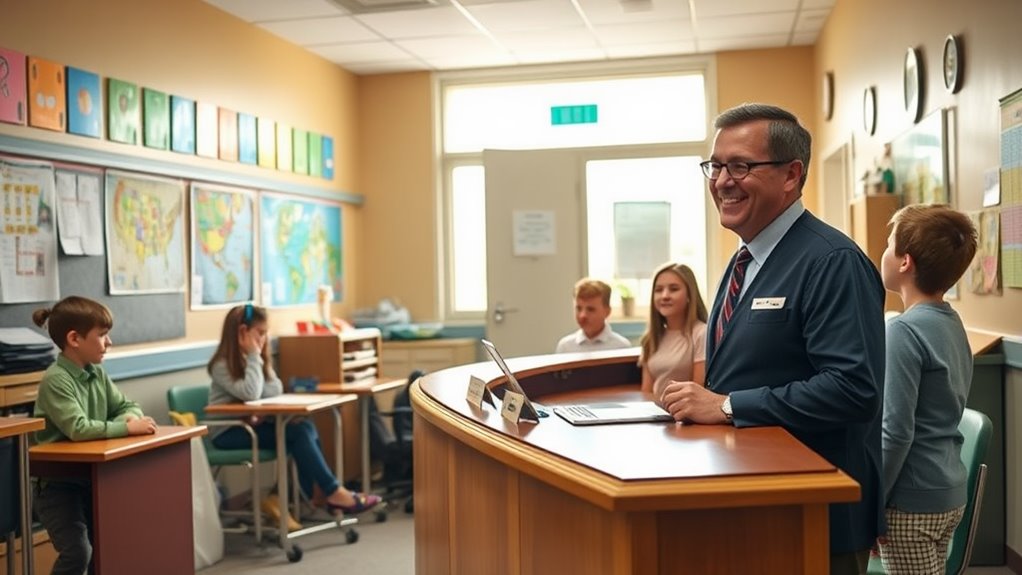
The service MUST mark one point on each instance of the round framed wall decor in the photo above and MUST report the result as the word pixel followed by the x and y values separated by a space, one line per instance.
pixel 869 110
pixel 952 60
pixel 913 80
pixel 828 95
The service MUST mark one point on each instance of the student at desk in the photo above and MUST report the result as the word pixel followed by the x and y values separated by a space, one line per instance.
pixel 240 371
pixel 79 402
pixel 592 308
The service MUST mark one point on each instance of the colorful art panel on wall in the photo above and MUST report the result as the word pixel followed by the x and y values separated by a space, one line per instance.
pixel 284 158
pixel 182 125
pixel 122 111
pixel 267 143
pixel 315 154
pixel 300 151
pixel 13 99
pixel 47 102
pixel 328 157
pixel 206 129
pixel 228 134
pixel 156 119
pixel 85 103
pixel 247 138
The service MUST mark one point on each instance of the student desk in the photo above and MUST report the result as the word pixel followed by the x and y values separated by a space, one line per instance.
pixel 20 427
pixel 500 498
pixel 364 389
pixel 141 497
pixel 283 408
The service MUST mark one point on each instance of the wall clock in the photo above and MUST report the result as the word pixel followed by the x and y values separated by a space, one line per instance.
pixel 869 110
pixel 952 64
pixel 828 95
pixel 913 83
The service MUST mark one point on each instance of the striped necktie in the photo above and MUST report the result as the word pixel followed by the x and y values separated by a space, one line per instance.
pixel 734 287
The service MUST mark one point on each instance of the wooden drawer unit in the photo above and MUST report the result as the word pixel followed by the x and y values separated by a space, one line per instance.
pixel 401 357
pixel 19 389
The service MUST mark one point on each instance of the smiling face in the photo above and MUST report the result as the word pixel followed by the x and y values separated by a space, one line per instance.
pixel 748 205
pixel 670 297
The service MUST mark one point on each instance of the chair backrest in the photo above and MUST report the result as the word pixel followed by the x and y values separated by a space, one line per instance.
pixel 189 399
pixel 976 429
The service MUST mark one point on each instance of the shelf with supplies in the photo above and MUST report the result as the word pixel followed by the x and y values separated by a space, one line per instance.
pixel 351 356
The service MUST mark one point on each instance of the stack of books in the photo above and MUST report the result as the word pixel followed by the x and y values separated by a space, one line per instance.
pixel 23 350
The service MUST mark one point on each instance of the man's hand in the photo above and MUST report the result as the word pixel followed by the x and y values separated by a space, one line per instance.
pixel 689 402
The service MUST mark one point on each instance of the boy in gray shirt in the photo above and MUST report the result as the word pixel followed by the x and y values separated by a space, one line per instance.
pixel 928 373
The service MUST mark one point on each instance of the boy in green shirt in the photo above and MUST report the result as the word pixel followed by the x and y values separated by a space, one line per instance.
pixel 79 402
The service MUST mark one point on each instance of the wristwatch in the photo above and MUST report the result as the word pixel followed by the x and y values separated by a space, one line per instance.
pixel 726 408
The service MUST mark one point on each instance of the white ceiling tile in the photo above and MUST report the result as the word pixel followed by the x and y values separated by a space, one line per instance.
pixel 370 68
pixel 736 26
pixel 428 48
pixel 362 52
pixel 538 40
pixel 742 43
pixel 811 20
pixel 526 15
pixel 714 8
pixel 264 10
pixel 553 56
pixel 647 50
pixel 644 33
pixel 427 22
pixel 614 12
pixel 308 32
pixel 804 38
pixel 470 60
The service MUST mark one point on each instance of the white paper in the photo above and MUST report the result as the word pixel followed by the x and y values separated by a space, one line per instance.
pixel 68 221
pixel 90 211
pixel 476 391
pixel 28 240
pixel 292 399
pixel 535 233
pixel 511 406
pixel 991 187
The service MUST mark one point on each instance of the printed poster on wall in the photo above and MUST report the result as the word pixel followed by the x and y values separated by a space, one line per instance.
pixel 144 233
pixel 28 237
pixel 223 245
pixel 1011 189
pixel 299 249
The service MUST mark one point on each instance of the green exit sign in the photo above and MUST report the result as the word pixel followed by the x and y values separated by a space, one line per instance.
pixel 582 114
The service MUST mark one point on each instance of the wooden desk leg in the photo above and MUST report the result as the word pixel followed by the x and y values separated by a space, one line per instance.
pixel 283 495
pixel 142 513
pixel 26 508
pixel 366 472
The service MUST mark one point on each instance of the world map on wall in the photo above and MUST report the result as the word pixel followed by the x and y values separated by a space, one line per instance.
pixel 300 249
pixel 222 244
pixel 145 234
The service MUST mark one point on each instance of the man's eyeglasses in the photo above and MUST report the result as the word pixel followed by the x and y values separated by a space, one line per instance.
pixel 737 170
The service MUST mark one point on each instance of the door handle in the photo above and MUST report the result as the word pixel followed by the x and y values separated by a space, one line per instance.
pixel 500 312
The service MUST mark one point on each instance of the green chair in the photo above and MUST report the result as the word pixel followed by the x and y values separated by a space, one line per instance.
pixel 976 429
pixel 184 400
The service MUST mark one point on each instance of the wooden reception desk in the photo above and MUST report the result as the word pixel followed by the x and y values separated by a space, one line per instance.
pixel 498 498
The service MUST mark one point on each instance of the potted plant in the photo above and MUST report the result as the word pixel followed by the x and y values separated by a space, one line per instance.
pixel 627 299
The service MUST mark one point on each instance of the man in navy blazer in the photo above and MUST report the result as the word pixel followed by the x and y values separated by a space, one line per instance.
pixel 803 345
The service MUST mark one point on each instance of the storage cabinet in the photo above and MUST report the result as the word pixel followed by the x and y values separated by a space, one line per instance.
pixel 868 217
pixel 429 355
pixel 329 358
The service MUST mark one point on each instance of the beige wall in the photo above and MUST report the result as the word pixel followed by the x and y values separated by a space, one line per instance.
pixel 989 30
pixel 399 239
pixel 189 48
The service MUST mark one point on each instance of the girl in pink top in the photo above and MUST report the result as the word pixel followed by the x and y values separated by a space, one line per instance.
pixel 674 345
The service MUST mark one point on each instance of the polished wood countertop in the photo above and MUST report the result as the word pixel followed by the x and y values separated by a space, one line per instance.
pixel 102 450
pixel 626 466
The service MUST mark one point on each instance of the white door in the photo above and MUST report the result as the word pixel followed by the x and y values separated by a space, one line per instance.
pixel 534 247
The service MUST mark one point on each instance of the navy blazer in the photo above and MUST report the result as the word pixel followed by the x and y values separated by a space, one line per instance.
pixel 815 364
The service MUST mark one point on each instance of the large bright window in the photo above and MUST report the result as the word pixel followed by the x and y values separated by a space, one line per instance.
pixel 652 105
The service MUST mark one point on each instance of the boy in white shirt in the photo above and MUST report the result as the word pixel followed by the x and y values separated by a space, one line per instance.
pixel 592 308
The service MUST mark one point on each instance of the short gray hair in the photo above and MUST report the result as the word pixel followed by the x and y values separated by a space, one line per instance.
pixel 786 139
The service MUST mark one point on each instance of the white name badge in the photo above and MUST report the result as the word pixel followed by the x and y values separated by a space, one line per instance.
pixel 768 303
pixel 478 392
pixel 511 408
